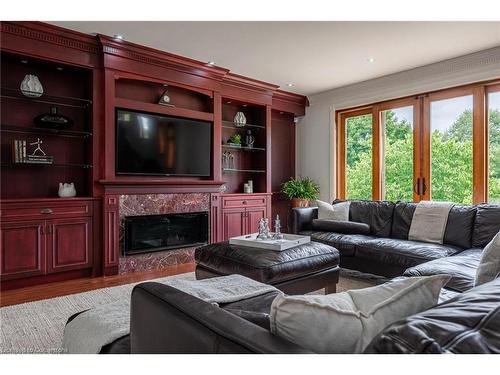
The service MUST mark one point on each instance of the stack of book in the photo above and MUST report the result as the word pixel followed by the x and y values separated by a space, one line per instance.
pixel 19 155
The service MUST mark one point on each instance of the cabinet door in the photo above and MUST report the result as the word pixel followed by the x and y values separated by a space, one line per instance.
pixel 253 216
pixel 69 244
pixel 233 222
pixel 22 251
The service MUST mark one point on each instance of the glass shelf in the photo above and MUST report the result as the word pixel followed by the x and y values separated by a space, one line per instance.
pixel 41 131
pixel 243 148
pixel 231 125
pixel 65 101
pixel 61 165
pixel 243 170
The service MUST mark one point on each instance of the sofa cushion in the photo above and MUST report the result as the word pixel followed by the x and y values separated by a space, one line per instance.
pixel 489 264
pixel 486 225
pixel 403 214
pixel 338 211
pixel 344 243
pixel 347 227
pixel 346 322
pixel 459 227
pixel 402 253
pixel 267 266
pixel 377 214
pixel 461 267
pixel 466 324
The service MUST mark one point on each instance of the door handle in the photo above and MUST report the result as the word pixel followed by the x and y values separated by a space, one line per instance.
pixel 424 185
pixel 416 186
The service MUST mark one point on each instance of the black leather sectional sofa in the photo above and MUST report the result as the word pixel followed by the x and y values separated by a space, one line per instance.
pixel 386 250
pixel 166 320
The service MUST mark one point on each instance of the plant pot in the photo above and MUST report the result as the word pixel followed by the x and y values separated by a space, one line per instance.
pixel 300 202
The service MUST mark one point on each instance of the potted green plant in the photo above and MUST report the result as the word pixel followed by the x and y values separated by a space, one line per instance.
pixel 300 191
pixel 235 140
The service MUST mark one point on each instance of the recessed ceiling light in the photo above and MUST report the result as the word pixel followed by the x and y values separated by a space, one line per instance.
pixel 24 61
pixel 60 68
pixel 245 105
pixel 290 84
pixel 118 36
pixel 229 102
pixel 370 60
pixel 211 63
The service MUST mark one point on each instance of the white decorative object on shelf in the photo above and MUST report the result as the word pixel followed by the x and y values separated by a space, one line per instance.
pixel 240 120
pixel 66 190
pixel 288 241
pixel 31 86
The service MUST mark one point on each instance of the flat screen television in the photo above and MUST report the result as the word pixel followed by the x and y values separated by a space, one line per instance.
pixel 151 144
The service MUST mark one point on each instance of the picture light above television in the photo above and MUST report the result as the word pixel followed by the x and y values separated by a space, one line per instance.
pixel 152 144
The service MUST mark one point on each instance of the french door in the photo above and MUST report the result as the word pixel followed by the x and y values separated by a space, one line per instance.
pixel 442 146
pixel 379 152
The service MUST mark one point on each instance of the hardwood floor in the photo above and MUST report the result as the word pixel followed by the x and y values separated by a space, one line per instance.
pixel 63 288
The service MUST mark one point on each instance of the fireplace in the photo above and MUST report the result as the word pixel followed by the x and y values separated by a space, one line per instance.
pixel 150 233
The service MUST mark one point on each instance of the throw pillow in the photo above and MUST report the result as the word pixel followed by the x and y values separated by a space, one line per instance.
pixel 338 211
pixel 347 322
pixel 489 265
pixel 347 227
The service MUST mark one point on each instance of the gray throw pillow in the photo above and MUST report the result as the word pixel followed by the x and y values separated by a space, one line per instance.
pixel 346 227
pixel 347 322
pixel 489 265
pixel 338 211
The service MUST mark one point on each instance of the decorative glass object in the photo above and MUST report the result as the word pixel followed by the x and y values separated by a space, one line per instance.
pixel 240 120
pixel 53 120
pixel 31 86
pixel 249 139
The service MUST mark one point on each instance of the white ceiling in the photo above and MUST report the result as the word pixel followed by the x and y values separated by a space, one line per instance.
pixel 314 56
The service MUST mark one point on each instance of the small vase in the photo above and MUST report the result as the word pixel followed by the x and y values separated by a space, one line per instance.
pixel 240 120
pixel 66 190
pixel 31 86
pixel 300 202
pixel 53 120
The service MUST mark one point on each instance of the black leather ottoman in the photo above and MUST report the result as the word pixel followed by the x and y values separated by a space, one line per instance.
pixel 298 270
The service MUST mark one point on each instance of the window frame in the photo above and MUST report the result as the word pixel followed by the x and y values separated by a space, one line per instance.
pixel 422 141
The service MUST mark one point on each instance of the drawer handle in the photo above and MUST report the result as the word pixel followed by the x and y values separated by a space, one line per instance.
pixel 46 211
pixel 244 202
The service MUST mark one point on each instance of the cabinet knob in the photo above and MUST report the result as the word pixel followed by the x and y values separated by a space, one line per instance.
pixel 244 202
pixel 46 211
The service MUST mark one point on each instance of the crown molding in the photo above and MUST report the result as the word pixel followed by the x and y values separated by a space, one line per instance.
pixel 52 34
pixel 247 83
pixel 163 59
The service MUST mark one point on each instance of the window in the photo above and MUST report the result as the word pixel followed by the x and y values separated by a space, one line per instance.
pixel 359 139
pixel 441 146
pixel 397 151
pixel 494 147
pixel 451 149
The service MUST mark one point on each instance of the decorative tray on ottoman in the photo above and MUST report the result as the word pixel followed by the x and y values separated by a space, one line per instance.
pixel 288 241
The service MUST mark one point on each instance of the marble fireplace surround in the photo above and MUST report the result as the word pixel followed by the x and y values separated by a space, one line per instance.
pixel 157 204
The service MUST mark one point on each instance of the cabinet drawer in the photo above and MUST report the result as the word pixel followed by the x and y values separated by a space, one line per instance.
pixel 46 210
pixel 239 201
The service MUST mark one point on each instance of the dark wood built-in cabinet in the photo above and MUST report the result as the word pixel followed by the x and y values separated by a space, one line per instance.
pixel 46 238
pixel 241 213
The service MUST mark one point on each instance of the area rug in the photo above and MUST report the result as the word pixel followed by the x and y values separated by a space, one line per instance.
pixel 37 327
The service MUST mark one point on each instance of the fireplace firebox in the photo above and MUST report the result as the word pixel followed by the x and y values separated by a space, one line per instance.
pixel 144 234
